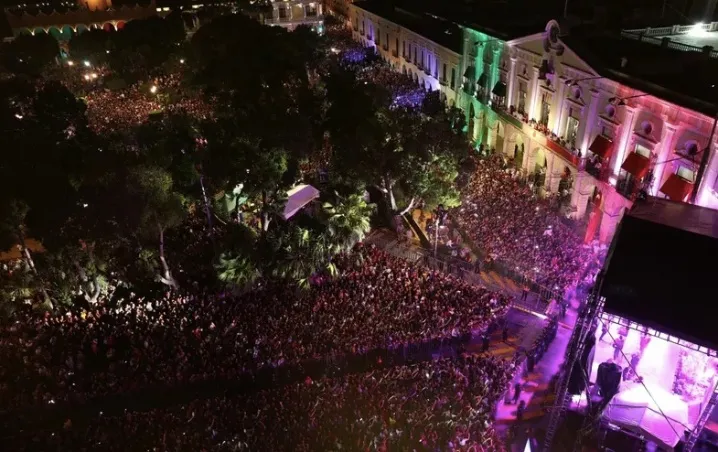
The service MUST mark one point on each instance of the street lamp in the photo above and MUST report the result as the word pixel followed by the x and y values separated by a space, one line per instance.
pixel 440 214
pixel 621 101
pixel 153 89
pixel 574 82
pixel 481 43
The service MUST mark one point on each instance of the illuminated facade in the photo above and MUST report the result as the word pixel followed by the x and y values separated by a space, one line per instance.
pixel 432 66
pixel 588 139
pixel 290 14
pixel 88 15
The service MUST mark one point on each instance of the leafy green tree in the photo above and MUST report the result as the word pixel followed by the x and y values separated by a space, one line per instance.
pixel 158 208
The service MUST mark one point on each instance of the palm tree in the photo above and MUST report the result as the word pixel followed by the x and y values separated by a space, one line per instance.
pixel 235 270
pixel 348 221
pixel 298 253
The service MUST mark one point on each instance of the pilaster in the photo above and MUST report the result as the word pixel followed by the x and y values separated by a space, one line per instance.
pixel 533 107
pixel 512 76
pixel 560 104
pixel 664 154
pixel 590 122
pixel 627 126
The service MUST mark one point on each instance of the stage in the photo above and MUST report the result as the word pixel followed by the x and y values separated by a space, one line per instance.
pixel 665 382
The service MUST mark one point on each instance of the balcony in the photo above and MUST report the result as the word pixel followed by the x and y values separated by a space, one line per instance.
pixel 598 169
pixel 385 47
pixel 443 82
pixel 628 187
pixel 406 58
pixel 514 119
pixel 395 54
pixel 555 144
pixel 427 71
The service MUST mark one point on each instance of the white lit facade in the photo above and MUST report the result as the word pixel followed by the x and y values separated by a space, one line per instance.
pixel 570 130
pixel 291 14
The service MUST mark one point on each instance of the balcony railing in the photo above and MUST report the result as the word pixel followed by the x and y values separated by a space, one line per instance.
pixel 628 187
pixel 601 172
pixel 443 81
pixel 386 47
pixel 427 71
pixel 512 119
pixel 556 146
pixel 395 53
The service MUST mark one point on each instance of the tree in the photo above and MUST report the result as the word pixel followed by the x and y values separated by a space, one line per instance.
pixel 297 253
pixel 158 208
pixel 348 220
pixel 29 54
pixel 92 45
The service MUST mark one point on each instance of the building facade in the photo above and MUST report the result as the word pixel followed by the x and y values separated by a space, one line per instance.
pixel 587 139
pixel 290 14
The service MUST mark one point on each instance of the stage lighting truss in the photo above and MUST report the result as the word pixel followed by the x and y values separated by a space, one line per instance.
pixel 655 333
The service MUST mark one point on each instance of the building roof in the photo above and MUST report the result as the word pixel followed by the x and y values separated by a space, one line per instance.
pixel 684 78
pixel 297 198
pixel 438 30
pixel 661 269
pixel 505 19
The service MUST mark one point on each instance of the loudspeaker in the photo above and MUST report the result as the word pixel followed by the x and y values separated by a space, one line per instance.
pixel 608 378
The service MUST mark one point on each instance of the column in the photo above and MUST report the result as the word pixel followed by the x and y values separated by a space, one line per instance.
pixel 665 153
pixel 705 185
pixel 627 126
pixel 533 107
pixel 590 123
pixel 494 70
pixel 560 103
pixel 319 9
pixel 510 87
pixel 304 11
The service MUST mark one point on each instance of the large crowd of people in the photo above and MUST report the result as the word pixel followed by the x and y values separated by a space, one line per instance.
pixel 505 219
pixel 378 302
pixel 444 404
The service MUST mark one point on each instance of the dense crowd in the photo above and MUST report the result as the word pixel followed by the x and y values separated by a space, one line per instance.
pixel 506 220
pixel 115 110
pixel 445 404
pixel 378 302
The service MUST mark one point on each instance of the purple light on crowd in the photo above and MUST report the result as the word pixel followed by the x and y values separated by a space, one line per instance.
pixel 354 55
pixel 411 99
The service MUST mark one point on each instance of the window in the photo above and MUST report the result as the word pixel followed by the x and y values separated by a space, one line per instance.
pixel 403 49
pixel 607 132
pixel 397 47
pixel 686 173
pixel 642 150
pixel 387 40
pixel 522 98
pixel 421 61
pixel 378 38
pixel 571 128
pixel 545 108
pixel 282 13
pixel 436 68
pixel 443 72
pixel 414 60
pixel 453 78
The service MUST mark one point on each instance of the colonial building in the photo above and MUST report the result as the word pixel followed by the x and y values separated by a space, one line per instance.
pixel 292 13
pixel 574 113
pixel 424 48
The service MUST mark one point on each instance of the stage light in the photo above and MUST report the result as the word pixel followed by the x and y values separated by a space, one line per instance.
pixel 153 90
pixel 86 63
pixel 697 30
pixel 182 61
pixel 70 63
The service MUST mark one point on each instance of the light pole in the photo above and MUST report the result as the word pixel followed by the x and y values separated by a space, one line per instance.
pixel 439 217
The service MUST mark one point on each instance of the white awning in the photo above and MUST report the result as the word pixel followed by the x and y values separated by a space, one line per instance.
pixel 298 197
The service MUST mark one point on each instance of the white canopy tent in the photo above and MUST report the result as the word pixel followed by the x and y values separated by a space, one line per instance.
pixel 298 197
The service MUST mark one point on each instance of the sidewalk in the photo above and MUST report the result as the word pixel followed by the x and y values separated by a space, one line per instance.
pixel 537 391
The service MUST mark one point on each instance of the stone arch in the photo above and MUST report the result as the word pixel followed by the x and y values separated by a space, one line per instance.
pixel 39 30
pixel 452 104
pixel 25 31
pixel 120 24
pixel 55 32
pixel 108 26
pixel 67 32
pixel 500 137
pixel 81 28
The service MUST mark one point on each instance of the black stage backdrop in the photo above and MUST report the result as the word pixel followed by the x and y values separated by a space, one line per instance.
pixel 665 278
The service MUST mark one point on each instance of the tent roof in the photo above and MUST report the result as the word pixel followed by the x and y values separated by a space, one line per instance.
pixel 298 197
pixel 661 269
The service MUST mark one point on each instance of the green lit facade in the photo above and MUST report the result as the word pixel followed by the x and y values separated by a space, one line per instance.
pixel 481 55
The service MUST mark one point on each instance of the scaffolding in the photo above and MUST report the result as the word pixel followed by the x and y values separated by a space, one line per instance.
pixel 584 326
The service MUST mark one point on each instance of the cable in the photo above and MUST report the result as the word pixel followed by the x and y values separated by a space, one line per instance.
pixel 608 330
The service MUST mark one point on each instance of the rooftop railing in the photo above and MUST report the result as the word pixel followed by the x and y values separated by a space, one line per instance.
pixel 662 37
